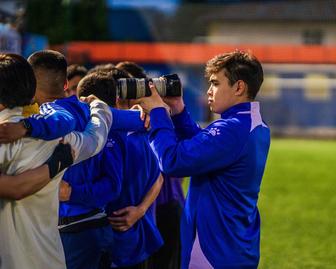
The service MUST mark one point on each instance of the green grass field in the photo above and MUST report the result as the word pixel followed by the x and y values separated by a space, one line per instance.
pixel 298 205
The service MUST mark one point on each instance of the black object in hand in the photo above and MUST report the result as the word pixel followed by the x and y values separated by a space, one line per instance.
pixel 60 159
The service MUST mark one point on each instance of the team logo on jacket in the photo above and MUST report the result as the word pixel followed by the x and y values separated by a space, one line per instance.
pixel 110 143
pixel 214 131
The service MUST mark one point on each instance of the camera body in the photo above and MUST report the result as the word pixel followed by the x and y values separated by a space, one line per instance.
pixel 134 88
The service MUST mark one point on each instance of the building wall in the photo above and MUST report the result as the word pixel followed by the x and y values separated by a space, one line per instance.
pixel 270 32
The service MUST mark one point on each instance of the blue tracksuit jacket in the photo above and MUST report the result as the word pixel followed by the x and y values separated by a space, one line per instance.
pixel 141 172
pixel 226 161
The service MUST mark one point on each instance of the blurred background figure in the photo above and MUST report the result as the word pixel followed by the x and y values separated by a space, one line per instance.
pixel 75 73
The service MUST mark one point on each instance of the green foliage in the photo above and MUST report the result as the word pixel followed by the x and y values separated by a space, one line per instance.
pixel 90 20
pixel 65 20
pixel 297 205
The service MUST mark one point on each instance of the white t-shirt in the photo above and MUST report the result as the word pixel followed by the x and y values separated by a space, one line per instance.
pixel 29 236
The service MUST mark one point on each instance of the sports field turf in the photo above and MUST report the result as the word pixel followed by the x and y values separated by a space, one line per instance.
pixel 298 205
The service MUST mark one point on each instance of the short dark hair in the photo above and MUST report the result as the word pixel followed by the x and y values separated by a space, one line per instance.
pixel 132 68
pixel 102 68
pixel 76 70
pixel 111 69
pixel 101 85
pixel 238 65
pixel 118 73
pixel 49 59
pixel 53 67
pixel 17 81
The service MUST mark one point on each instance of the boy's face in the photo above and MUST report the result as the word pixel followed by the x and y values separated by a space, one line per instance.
pixel 72 86
pixel 221 95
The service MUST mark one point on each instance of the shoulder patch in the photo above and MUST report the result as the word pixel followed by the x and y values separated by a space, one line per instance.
pixel 110 143
pixel 214 131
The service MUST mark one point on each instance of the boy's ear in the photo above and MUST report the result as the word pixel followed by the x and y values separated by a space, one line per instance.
pixel 241 88
pixel 66 85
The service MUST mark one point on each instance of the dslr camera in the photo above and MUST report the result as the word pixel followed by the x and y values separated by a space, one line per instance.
pixel 134 88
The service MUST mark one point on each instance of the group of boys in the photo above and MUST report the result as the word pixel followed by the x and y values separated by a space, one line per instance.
pixel 108 217
pixel 105 213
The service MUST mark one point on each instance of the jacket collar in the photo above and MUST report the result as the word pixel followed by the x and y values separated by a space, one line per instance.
pixel 242 107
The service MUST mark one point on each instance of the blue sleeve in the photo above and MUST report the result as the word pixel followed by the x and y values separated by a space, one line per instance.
pixel 127 120
pixel 185 127
pixel 107 187
pixel 154 170
pixel 53 122
pixel 213 148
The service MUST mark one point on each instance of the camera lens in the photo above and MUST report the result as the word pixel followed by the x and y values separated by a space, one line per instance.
pixel 173 85
pixel 127 88
pixel 133 88
pixel 160 85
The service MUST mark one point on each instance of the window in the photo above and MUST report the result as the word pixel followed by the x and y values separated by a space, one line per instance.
pixel 313 37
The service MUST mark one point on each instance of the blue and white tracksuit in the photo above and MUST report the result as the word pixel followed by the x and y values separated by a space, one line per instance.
pixel 220 225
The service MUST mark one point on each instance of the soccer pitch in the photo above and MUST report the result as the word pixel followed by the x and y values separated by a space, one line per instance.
pixel 298 205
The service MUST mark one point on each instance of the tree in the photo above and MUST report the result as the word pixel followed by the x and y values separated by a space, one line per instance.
pixel 66 20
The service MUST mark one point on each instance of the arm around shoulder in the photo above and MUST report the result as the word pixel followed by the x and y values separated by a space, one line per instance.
pixel 20 186
pixel 93 139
